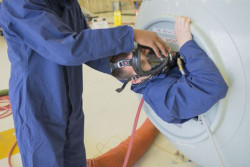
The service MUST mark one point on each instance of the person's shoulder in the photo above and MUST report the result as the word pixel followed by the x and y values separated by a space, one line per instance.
pixel 172 73
pixel 168 77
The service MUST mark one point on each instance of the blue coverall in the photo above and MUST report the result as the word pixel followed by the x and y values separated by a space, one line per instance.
pixel 176 98
pixel 48 41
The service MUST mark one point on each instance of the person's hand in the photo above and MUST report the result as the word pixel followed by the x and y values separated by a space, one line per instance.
pixel 152 40
pixel 182 30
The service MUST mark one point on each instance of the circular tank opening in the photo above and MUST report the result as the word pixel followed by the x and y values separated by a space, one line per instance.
pixel 193 130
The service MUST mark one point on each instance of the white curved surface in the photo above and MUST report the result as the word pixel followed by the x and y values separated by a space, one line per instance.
pixel 222 29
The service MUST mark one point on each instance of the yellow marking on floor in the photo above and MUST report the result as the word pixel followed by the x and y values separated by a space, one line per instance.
pixel 7 139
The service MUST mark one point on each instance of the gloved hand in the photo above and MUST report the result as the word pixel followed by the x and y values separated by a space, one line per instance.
pixel 182 30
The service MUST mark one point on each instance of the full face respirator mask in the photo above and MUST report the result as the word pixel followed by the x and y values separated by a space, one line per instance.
pixel 146 63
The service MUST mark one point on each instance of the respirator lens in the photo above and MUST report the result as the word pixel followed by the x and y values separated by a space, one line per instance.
pixel 148 59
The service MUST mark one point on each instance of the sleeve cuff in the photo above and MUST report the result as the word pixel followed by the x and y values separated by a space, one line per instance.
pixel 131 35
pixel 187 44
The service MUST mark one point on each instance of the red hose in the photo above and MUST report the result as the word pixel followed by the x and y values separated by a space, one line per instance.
pixel 9 156
pixel 5 111
pixel 133 133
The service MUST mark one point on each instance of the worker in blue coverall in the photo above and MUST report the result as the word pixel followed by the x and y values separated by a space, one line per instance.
pixel 174 97
pixel 48 41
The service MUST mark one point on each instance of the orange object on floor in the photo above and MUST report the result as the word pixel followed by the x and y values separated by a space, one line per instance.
pixel 144 138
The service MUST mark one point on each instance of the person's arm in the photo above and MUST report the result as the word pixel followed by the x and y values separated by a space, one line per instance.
pixel 177 98
pixel 41 29
pixel 101 65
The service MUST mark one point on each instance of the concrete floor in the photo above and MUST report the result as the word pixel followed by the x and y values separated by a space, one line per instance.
pixel 109 116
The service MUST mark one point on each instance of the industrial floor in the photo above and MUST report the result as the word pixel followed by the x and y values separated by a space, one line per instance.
pixel 109 116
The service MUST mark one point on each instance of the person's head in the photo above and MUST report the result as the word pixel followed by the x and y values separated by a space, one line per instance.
pixel 139 65
pixel 127 72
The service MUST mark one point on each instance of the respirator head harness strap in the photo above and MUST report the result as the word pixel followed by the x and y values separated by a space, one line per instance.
pixel 119 90
pixel 120 64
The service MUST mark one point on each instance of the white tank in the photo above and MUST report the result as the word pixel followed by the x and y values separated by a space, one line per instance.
pixel 222 29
